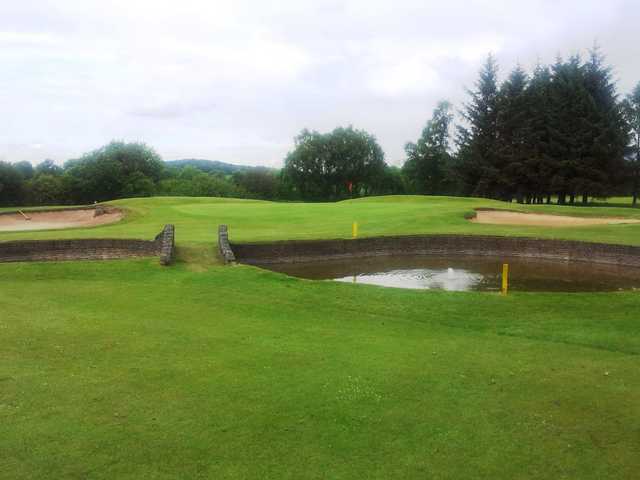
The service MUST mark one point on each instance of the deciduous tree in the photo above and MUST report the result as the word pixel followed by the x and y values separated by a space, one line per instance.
pixel 428 160
pixel 334 165
pixel 631 109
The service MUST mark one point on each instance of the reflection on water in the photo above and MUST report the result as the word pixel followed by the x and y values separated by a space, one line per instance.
pixel 465 273
pixel 449 279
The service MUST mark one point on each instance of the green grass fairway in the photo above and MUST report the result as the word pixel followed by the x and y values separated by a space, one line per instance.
pixel 130 370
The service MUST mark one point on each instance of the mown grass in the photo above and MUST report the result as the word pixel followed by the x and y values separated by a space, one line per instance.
pixel 196 220
pixel 126 369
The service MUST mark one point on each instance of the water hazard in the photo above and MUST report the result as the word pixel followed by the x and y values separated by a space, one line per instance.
pixel 467 273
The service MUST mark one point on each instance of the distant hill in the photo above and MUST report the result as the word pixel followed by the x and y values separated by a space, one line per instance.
pixel 209 166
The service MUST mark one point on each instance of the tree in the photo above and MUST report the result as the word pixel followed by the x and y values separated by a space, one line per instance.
pixel 512 148
pixel 192 182
pixel 137 184
pixel 391 182
pixel 260 182
pixel 334 165
pixel 309 167
pixel 566 127
pixel 478 142
pixel 114 171
pixel 49 167
pixel 428 160
pixel 631 109
pixel 539 166
pixel 587 135
pixel 11 185
pixel 606 124
pixel 46 189
pixel 25 169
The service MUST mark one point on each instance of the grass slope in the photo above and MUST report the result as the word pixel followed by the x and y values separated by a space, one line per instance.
pixel 196 220
pixel 126 369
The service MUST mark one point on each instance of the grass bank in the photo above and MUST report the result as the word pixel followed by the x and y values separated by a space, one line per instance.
pixel 126 369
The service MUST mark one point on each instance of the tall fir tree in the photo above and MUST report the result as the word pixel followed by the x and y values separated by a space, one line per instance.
pixel 608 136
pixel 569 128
pixel 539 166
pixel 513 131
pixel 478 165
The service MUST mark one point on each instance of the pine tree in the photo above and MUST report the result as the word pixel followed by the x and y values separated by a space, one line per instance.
pixel 539 165
pixel 463 162
pixel 512 148
pixel 607 140
pixel 479 158
pixel 569 128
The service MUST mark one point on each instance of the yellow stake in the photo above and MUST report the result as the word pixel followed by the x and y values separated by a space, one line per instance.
pixel 354 230
pixel 505 278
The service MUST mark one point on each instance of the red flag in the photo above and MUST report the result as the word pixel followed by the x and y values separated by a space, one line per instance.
pixel 350 186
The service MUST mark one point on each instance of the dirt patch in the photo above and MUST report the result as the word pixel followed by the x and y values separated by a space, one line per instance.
pixel 503 217
pixel 54 220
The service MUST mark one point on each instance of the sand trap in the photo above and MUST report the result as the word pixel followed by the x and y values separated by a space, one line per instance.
pixel 503 217
pixel 14 222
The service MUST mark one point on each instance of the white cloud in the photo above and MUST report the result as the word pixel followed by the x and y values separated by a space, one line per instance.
pixel 236 81
pixel 411 76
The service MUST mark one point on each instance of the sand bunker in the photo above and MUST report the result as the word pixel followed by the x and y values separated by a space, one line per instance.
pixel 14 222
pixel 503 217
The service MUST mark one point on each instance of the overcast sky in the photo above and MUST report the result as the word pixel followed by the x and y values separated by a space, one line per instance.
pixel 237 80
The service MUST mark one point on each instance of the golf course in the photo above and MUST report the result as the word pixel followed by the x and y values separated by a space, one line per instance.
pixel 127 369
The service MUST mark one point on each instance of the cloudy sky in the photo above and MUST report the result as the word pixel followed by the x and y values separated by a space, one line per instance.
pixel 237 80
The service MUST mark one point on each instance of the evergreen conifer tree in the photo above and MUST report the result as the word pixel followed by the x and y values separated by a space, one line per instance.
pixel 479 164
pixel 539 165
pixel 607 139
pixel 513 131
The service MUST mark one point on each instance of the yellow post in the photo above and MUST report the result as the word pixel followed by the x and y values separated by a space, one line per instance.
pixel 505 278
pixel 354 230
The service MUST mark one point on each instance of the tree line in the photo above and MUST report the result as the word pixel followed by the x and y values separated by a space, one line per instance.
pixel 559 133
pixel 121 170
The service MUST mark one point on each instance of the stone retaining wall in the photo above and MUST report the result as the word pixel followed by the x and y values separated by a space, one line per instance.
pixel 223 245
pixel 561 250
pixel 166 239
pixel 89 249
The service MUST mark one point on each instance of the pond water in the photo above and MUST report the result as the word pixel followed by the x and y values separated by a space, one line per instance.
pixel 467 273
